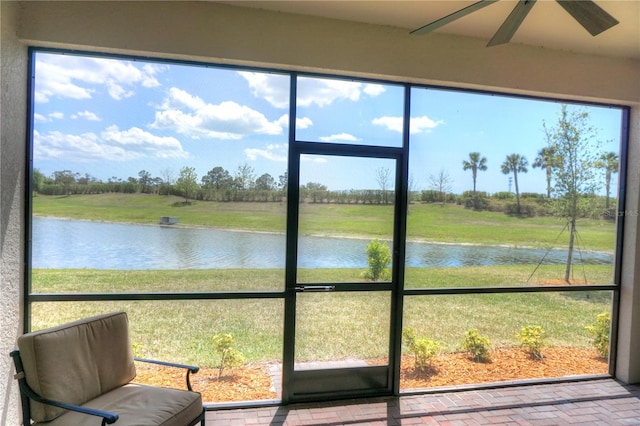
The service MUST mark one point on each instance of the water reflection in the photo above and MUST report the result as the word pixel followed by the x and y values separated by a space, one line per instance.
pixel 60 243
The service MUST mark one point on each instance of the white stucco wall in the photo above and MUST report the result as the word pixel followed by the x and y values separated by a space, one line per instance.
pixel 227 34
pixel 13 72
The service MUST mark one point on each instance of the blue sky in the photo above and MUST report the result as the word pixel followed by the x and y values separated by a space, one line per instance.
pixel 113 118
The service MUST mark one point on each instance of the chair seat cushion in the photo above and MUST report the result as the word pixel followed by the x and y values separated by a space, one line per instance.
pixel 140 405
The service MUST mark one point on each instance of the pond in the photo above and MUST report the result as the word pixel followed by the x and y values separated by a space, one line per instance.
pixel 62 243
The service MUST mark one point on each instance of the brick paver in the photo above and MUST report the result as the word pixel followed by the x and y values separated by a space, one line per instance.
pixel 594 402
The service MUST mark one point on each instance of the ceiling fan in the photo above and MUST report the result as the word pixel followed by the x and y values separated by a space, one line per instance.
pixel 588 14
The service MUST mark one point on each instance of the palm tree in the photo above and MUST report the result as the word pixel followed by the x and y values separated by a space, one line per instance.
pixel 545 160
pixel 475 163
pixel 608 161
pixel 515 163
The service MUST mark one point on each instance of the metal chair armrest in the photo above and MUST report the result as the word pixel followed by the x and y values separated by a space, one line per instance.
pixel 190 368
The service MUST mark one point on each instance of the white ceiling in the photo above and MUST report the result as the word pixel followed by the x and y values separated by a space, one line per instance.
pixel 548 25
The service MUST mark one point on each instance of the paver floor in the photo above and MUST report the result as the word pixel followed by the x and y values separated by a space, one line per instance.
pixel 593 402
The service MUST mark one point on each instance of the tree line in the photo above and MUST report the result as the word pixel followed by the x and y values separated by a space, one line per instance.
pixel 575 168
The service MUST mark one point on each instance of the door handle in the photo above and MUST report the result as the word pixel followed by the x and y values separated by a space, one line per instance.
pixel 309 288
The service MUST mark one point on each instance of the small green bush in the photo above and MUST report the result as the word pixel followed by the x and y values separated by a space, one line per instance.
pixel 531 338
pixel 379 256
pixel 600 333
pixel 423 349
pixel 477 345
pixel 229 357
pixel 138 350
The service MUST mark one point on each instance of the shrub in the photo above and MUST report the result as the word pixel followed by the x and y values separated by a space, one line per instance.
pixel 503 195
pixel 138 350
pixel 532 340
pixel 423 349
pixel 229 357
pixel 430 196
pixel 379 256
pixel 476 203
pixel 477 345
pixel 600 333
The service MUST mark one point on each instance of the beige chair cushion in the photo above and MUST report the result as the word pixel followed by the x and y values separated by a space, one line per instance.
pixel 77 362
pixel 140 405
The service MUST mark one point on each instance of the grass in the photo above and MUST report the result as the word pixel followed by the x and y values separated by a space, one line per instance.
pixel 329 325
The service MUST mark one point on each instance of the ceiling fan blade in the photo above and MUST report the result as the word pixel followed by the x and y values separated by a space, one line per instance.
pixel 512 23
pixel 452 17
pixel 591 16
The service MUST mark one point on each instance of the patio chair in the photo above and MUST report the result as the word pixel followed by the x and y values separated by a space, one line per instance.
pixel 80 373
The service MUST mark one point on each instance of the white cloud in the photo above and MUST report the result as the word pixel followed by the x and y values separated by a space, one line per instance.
pixel 273 152
pixel 39 118
pixel 373 89
pixel 191 116
pixel 417 124
pixel 273 88
pixel 340 137
pixel 78 77
pixel 323 92
pixel 303 123
pixel 87 115
pixel 112 144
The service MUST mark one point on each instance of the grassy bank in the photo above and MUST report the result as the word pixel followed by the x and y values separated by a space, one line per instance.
pixel 331 325
pixel 429 222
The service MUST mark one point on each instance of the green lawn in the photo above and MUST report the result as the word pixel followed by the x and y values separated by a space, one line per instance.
pixel 331 325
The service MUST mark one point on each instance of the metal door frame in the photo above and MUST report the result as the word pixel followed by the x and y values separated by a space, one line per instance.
pixel 356 382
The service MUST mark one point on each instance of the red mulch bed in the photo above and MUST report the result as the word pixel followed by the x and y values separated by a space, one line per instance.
pixel 252 382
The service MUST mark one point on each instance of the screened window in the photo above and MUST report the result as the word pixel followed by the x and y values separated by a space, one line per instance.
pixel 163 189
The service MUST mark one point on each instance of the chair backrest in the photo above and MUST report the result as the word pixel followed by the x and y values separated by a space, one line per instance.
pixel 77 362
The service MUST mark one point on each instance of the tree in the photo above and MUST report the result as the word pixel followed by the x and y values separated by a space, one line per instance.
pixel 145 179
pixel 168 176
pixel 545 161
pixel 266 182
pixel 315 190
pixel 574 173
pixel 441 183
pixel 65 179
pixel 187 183
pixel 217 178
pixel 378 258
pixel 382 177
pixel 609 161
pixel 475 163
pixel 245 177
pixel 38 180
pixel 283 181
pixel 515 163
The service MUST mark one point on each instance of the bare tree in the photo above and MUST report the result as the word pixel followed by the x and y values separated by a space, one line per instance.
pixel 441 183
pixel 383 178
pixel 168 176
